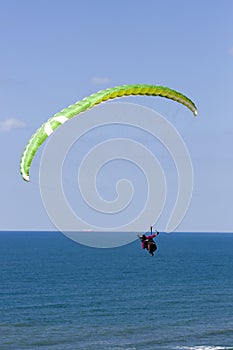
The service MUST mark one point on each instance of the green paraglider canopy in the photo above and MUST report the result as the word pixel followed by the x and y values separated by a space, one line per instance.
pixel 88 102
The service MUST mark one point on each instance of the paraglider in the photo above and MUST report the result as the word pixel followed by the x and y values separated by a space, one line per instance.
pixel 148 242
pixel 60 118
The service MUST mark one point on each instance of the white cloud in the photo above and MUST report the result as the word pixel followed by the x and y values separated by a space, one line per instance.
pixel 11 123
pixel 100 80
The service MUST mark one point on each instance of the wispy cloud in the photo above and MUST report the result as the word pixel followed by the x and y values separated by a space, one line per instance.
pixel 100 80
pixel 231 51
pixel 11 123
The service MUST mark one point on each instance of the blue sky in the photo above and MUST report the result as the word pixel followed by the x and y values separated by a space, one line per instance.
pixel 54 53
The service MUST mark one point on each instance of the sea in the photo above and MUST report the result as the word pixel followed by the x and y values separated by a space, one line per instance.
pixel 56 294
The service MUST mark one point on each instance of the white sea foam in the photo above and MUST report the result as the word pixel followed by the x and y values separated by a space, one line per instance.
pixel 203 347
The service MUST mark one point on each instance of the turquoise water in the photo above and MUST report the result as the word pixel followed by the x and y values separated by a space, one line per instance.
pixel 57 294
